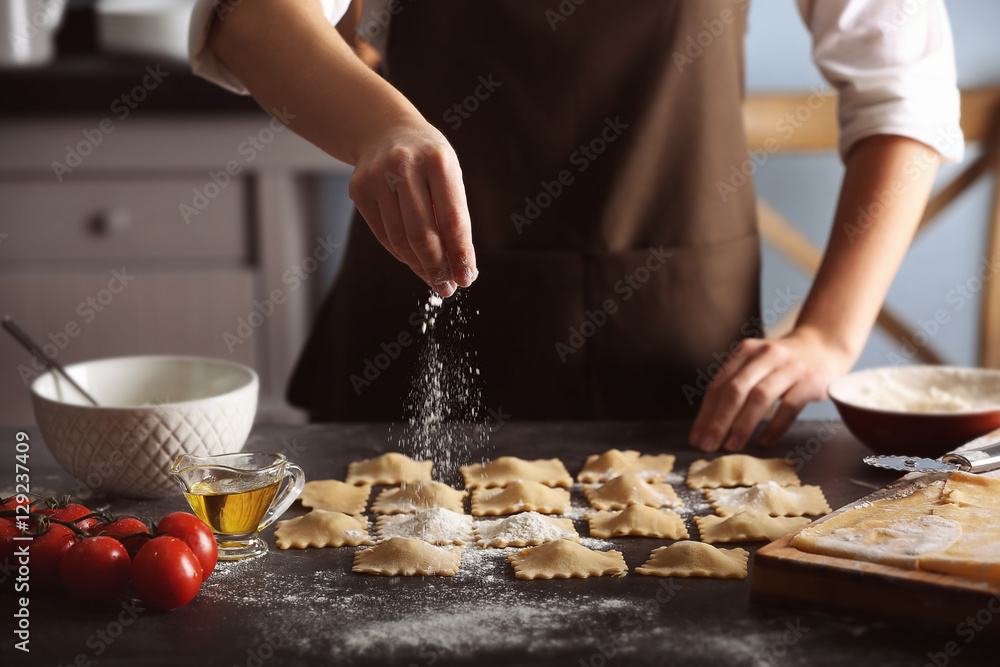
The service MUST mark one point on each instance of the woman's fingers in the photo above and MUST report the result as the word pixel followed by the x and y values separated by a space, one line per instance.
pixel 409 189
pixel 422 234
pixel 451 211
pixel 724 397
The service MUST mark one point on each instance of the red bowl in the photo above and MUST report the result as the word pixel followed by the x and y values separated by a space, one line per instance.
pixel 918 410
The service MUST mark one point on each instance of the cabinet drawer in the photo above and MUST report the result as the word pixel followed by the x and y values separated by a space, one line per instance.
pixel 123 219
pixel 88 315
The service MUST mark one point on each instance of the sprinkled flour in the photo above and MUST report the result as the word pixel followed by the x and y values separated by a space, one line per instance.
pixel 527 527
pixel 436 525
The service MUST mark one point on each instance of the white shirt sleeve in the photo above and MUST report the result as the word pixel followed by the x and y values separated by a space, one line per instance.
pixel 893 64
pixel 203 61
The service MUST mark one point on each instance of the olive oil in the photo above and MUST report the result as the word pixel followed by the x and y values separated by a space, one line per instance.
pixel 234 513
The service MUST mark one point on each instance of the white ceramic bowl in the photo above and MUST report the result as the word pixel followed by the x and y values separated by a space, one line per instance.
pixel 151 410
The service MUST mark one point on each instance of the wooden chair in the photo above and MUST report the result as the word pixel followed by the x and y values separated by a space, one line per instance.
pixel 819 132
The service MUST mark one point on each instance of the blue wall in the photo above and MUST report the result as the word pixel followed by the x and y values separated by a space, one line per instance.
pixel 804 188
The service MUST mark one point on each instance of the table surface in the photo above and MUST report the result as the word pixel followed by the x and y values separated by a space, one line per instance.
pixel 305 607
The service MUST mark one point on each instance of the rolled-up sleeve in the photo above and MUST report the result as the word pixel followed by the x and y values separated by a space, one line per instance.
pixel 203 61
pixel 893 65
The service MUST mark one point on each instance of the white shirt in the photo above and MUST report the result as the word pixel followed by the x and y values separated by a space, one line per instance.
pixel 891 61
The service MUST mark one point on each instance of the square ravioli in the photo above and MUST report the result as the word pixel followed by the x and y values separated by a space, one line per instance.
pixel 696 559
pixel 320 528
pixel 335 496
pixel 436 525
pixel 524 530
pixel 747 526
pixel 391 468
pixel 630 489
pixel 520 497
pixel 640 520
pixel 740 470
pixel 563 559
pixel 507 469
pixel 614 462
pixel 417 497
pixel 406 557
pixel 769 497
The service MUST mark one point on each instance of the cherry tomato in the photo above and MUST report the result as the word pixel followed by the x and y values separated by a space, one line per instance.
pixel 71 512
pixel 8 531
pixel 11 503
pixel 46 551
pixel 165 573
pixel 97 569
pixel 196 534
pixel 122 527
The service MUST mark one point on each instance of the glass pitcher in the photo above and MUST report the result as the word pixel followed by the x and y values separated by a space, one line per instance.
pixel 238 495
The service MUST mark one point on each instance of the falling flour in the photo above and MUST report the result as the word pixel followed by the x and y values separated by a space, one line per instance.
pixel 444 408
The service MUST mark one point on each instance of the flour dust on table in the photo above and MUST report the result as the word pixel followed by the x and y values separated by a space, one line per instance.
pixel 446 396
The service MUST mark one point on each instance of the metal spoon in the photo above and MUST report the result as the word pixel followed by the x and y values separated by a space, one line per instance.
pixel 31 346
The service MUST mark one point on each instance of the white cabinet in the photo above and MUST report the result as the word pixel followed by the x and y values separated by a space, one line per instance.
pixel 106 261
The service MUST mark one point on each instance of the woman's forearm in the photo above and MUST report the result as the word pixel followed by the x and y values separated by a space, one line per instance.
pixel 289 56
pixel 886 186
pixel 407 182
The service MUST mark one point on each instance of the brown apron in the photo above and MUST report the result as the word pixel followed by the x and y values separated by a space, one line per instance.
pixel 593 138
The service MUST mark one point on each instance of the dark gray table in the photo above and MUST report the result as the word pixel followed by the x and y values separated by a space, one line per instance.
pixel 305 607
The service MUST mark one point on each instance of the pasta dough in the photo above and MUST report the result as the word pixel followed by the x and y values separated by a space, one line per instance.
pixel 747 526
pixel 507 469
pixel 614 462
pixel 769 497
pixel 418 497
pixel 406 557
pixel 696 559
pixel 523 530
pixel 391 468
pixel 630 489
pixel 520 497
pixel 335 496
pixel 563 559
pixel 320 528
pixel 436 525
pixel 740 470
pixel 638 520
pixel 948 527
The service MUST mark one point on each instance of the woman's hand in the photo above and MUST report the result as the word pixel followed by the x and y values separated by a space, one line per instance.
pixel 408 186
pixel 795 369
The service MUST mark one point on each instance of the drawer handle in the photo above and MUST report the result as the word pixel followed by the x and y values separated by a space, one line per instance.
pixel 110 222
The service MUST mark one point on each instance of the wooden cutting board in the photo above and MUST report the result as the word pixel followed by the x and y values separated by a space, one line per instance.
pixel 941 603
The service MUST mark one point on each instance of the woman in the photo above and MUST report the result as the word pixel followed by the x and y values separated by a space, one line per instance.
pixel 596 142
